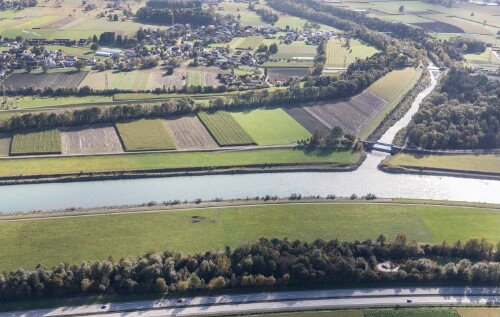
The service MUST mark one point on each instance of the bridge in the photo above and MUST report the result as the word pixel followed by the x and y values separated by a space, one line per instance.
pixel 381 147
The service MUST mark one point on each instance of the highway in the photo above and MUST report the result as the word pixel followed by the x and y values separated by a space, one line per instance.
pixel 272 301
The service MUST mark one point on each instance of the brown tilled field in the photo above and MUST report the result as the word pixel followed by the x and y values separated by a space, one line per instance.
pixel 93 139
pixel 285 73
pixel 306 120
pixel 59 24
pixel 189 133
pixel 63 80
pixel 351 115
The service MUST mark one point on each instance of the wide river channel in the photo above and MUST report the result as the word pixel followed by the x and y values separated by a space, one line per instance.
pixel 367 179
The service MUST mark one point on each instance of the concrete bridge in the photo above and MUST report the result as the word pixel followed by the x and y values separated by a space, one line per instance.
pixel 381 147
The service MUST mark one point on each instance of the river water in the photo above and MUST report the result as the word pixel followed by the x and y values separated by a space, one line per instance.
pixel 367 179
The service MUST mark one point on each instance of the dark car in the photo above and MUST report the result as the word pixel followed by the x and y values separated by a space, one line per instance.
pixel 409 301
pixel 179 300
pixel 103 307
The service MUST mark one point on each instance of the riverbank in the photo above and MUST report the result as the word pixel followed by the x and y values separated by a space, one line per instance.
pixel 64 237
pixel 482 166
pixel 127 166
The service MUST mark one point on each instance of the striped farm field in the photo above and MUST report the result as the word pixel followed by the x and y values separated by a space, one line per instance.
pixel 145 135
pixel 40 142
pixel 225 129
pixel 339 55
pixel 389 86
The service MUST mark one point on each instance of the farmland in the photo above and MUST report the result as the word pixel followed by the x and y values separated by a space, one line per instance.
pixel 338 54
pixel 25 243
pixel 5 140
pixel 189 133
pixel 99 138
pixel 194 78
pixel 60 79
pixel 352 115
pixel 487 59
pixel 250 42
pixel 225 129
pixel 145 135
pixel 289 51
pixel 29 102
pixel 286 72
pixel 306 120
pixel 389 86
pixel 271 126
pixel 41 142
pixel 171 160
pixel 483 163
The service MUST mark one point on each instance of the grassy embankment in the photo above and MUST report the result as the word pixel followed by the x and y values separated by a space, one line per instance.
pixel 148 161
pixel 405 312
pixel 25 243
pixel 482 163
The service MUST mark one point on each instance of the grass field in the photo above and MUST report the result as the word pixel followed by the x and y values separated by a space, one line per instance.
pixel 271 126
pixel 225 129
pixel 483 312
pixel 40 102
pixel 194 78
pixel 338 55
pixel 391 85
pixel 429 312
pixel 487 59
pixel 145 135
pixel 24 243
pixel 147 161
pixel 41 142
pixel 5 144
pixel 250 42
pixel 402 81
pixel 288 51
pixel 335 313
pixel 485 163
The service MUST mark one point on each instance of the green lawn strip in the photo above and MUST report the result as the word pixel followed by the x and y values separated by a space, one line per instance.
pixel 271 126
pixel 225 129
pixel 333 313
pixel 412 312
pixel 251 42
pixel 393 102
pixel 147 161
pixel 37 102
pixel 485 163
pixel 144 135
pixel 25 243
pixel 39 142
pixel 462 224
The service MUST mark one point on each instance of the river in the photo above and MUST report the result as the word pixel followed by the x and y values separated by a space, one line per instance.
pixel 366 179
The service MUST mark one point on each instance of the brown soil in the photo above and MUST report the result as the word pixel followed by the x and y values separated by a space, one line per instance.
pixel 189 133
pixel 5 140
pixel 352 114
pixel 91 139
pixel 307 120
pixel 59 80
pixel 60 23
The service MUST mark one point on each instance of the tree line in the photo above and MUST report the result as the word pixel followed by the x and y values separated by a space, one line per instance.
pixel 462 113
pixel 173 4
pixel 193 16
pixel 263 264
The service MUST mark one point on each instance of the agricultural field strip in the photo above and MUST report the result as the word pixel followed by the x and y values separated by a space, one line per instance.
pixel 225 129
pixel 48 141
pixel 93 139
pixel 351 115
pixel 143 135
pixel 189 133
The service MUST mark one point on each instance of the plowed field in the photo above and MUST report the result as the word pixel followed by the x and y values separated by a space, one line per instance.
pixel 99 138
pixel 189 133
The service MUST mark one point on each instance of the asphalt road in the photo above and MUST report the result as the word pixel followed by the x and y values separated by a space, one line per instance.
pixel 196 306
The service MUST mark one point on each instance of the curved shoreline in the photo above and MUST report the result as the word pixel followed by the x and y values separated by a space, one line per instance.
pixel 195 171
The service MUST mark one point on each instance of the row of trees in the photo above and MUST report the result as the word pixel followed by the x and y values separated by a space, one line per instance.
pixel 16 4
pixel 194 16
pixel 173 4
pixel 463 113
pixel 263 264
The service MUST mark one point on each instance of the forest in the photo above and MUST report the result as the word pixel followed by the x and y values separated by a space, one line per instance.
pixel 263 264
pixel 462 113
